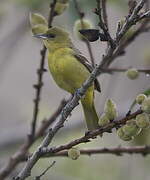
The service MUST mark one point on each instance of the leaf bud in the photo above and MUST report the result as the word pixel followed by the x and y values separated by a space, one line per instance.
pixel 110 109
pixel 146 105
pixel 143 121
pixel 122 135
pixel 140 98
pixel 60 8
pixel 103 120
pixel 36 19
pixel 39 29
pixel 130 128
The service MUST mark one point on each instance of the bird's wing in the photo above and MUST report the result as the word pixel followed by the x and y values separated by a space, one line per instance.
pixel 86 63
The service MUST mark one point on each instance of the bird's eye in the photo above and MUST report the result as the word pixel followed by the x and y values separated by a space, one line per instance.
pixel 50 36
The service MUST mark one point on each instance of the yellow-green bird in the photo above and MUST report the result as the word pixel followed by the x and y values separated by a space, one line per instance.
pixel 70 69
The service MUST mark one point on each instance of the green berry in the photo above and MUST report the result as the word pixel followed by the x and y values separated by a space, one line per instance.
pixel 142 121
pixel 132 73
pixel 110 109
pixel 146 105
pixel 74 153
pixel 103 120
pixel 131 129
pixel 140 98
pixel 122 135
pixel 78 25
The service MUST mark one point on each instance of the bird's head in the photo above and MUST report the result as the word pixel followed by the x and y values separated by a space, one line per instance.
pixel 55 38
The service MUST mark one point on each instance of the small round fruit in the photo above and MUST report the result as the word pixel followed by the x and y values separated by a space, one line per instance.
pixel 146 105
pixel 74 153
pixel 132 73
pixel 140 98
pixel 122 135
pixel 142 121
pixel 131 129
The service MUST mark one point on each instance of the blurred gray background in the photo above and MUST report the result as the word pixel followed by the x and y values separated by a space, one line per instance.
pixel 19 59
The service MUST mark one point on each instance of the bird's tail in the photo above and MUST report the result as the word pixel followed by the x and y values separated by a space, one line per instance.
pixel 90 114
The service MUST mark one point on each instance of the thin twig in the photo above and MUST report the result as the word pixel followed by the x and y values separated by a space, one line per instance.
pixel 111 70
pixel 121 48
pixel 22 152
pixel 131 20
pixel 103 26
pixel 81 15
pixel 90 52
pixel 38 88
pixel 104 13
pixel 89 135
pixel 42 149
pixel 40 72
pixel 45 171
pixel 145 15
pixel 119 151
pixel 59 150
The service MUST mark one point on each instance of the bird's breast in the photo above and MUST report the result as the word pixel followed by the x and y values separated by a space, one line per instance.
pixel 66 70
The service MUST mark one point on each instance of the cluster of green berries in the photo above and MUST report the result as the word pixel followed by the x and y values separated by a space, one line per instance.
pixel 39 23
pixel 110 113
pixel 142 121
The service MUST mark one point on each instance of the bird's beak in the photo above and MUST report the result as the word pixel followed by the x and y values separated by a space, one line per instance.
pixel 41 36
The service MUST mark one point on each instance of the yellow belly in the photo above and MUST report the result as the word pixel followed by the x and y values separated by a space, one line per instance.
pixel 70 74
pixel 67 71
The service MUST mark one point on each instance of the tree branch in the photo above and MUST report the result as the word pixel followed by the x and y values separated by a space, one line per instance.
pixel 104 26
pixel 22 152
pixel 111 70
pixel 40 71
pixel 81 16
pixel 130 20
pixel 59 150
pixel 119 151
pixel 45 171
pixel 89 135
pixel 106 60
